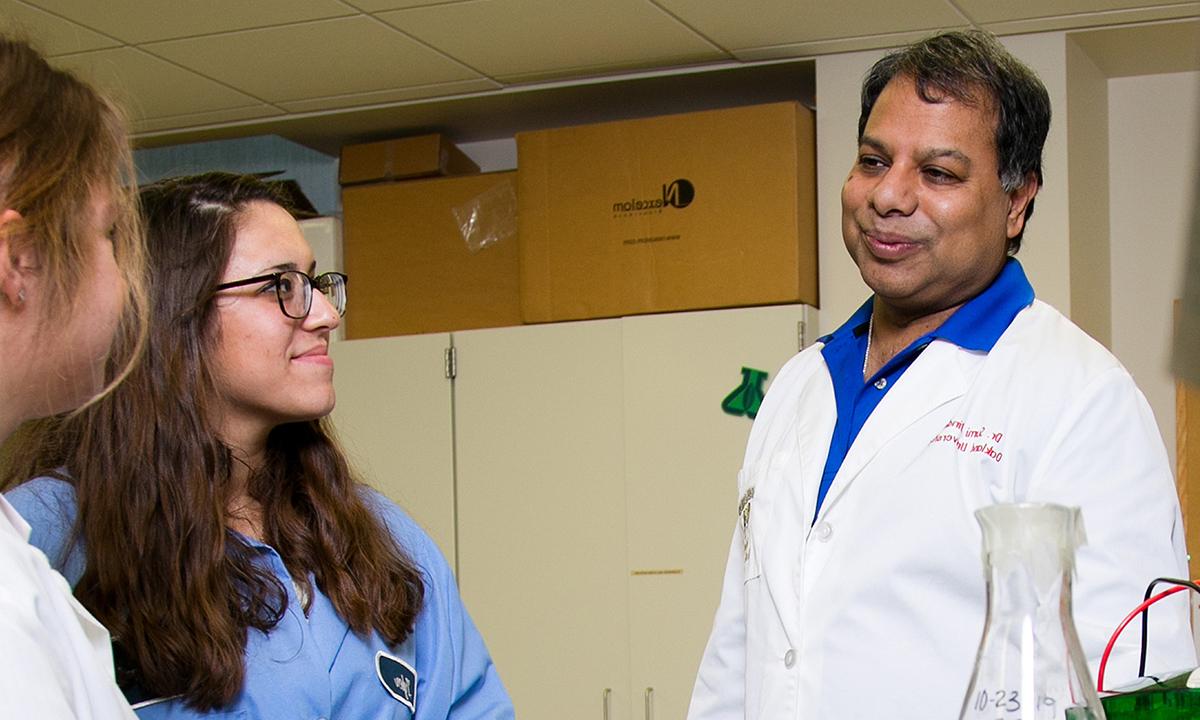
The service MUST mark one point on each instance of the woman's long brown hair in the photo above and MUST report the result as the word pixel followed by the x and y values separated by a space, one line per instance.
pixel 62 145
pixel 176 588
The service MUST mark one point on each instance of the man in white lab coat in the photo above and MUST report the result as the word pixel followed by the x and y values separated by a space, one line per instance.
pixel 855 586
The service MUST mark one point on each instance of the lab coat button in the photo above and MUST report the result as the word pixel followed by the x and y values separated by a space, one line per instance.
pixel 824 531
pixel 789 659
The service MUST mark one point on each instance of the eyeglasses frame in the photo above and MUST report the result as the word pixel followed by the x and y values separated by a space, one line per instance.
pixel 312 285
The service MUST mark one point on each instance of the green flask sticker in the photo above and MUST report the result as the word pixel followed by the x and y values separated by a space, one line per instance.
pixel 748 396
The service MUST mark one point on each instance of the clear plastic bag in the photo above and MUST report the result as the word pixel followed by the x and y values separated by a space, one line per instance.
pixel 489 217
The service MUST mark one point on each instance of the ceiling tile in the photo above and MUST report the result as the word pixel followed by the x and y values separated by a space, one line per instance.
pixel 312 60
pixel 507 38
pixel 216 117
pixel 1086 20
pixel 400 95
pixel 769 23
pixel 990 11
pixel 825 47
pixel 138 21
pixel 377 5
pixel 49 33
pixel 149 87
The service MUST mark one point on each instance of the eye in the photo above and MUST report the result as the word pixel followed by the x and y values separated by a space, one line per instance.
pixel 940 176
pixel 280 284
pixel 287 285
pixel 871 163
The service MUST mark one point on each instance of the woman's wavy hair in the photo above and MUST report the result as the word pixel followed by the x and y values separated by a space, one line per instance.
pixel 178 590
pixel 62 145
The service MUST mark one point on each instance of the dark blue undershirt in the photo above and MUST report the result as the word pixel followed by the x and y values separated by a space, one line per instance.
pixel 977 325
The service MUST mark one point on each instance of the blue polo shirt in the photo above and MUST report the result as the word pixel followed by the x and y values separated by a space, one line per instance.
pixel 977 325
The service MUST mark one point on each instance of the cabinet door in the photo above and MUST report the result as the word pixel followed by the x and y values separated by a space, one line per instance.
pixel 393 416
pixel 542 512
pixel 682 455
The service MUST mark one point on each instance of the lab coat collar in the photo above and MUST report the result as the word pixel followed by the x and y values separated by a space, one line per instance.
pixel 942 373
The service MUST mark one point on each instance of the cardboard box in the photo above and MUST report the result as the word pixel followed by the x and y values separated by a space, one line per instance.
pixel 409 266
pixel 403 158
pixel 702 210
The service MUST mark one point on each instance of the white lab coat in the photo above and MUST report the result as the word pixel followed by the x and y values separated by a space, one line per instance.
pixel 55 658
pixel 877 608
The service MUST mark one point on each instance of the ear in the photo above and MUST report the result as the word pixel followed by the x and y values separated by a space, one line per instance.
pixel 16 258
pixel 1019 199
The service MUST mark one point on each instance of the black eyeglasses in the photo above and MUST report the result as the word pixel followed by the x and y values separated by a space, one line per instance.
pixel 294 289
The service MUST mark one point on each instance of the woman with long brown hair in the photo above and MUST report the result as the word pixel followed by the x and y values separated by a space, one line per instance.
pixel 70 277
pixel 209 519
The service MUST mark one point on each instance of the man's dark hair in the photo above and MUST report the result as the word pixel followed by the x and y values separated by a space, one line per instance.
pixel 973 68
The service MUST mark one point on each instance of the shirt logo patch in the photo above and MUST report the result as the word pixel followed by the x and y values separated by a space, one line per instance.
pixel 398 678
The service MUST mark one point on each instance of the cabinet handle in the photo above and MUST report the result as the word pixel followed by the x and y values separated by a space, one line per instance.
pixel 606 700
pixel 649 703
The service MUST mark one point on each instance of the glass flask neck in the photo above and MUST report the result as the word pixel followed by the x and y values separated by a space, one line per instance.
pixel 1030 665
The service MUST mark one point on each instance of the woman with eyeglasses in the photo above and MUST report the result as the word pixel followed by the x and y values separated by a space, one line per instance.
pixel 71 266
pixel 206 515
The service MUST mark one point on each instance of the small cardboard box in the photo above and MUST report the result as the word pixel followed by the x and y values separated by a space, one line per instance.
pixel 401 159
pixel 410 268
pixel 701 210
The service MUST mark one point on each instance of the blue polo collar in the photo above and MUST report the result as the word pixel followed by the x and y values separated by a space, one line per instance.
pixel 977 325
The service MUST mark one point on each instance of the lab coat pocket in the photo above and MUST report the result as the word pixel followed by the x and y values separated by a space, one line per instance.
pixel 751 568
pixel 771 506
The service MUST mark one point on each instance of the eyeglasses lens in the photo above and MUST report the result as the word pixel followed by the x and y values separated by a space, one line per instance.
pixel 333 286
pixel 295 294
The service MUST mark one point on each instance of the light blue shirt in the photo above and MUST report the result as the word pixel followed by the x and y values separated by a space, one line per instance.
pixel 314 666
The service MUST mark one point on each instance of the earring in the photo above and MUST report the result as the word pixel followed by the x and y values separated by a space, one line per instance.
pixel 21 296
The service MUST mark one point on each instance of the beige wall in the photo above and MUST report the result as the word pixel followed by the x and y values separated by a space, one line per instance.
pixel 838 80
pixel 1154 121
pixel 1087 146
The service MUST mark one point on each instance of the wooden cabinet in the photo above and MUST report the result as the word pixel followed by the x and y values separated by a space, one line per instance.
pixel 592 489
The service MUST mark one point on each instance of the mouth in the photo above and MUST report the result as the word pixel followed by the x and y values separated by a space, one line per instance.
pixel 318 355
pixel 890 246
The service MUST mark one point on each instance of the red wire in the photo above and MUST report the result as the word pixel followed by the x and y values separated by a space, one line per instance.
pixel 1128 619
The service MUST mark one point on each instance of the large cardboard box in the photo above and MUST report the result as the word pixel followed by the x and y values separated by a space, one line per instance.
pixel 701 210
pixel 401 159
pixel 410 268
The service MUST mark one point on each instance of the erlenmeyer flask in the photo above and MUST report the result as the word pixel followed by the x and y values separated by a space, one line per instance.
pixel 1030 665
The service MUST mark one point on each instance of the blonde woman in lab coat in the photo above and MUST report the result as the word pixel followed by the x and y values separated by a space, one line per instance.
pixel 70 265
pixel 854 587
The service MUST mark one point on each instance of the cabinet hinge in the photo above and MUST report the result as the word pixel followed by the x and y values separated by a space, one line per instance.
pixel 801 327
pixel 451 357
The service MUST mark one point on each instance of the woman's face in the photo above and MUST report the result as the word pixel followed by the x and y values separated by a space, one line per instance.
pixel 269 368
pixel 74 349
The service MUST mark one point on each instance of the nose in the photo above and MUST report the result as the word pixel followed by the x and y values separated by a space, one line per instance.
pixel 322 314
pixel 895 193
